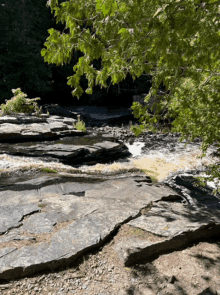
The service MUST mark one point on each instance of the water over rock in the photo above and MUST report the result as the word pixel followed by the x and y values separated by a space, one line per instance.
pixel 102 151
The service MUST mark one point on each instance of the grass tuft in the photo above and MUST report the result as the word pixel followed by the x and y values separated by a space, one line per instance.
pixel 80 125
pixel 48 170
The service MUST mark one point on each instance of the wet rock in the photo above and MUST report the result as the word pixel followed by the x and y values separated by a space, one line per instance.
pixel 187 185
pixel 97 116
pixel 70 153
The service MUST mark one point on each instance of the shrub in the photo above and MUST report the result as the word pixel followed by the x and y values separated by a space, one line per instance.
pixel 20 104
pixel 80 125
pixel 137 130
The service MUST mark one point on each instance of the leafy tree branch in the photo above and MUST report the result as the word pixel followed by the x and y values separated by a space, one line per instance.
pixel 174 41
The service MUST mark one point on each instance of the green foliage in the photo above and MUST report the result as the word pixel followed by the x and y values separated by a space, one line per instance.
pixel 42 205
pixel 176 42
pixel 214 174
pixel 48 170
pixel 200 181
pixel 20 104
pixel 80 125
pixel 137 130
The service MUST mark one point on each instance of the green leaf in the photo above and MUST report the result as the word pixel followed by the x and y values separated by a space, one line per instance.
pixel 122 31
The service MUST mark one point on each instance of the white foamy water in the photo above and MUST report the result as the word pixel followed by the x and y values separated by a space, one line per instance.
pixel 135 148
pixel 157 162
pixel 15 162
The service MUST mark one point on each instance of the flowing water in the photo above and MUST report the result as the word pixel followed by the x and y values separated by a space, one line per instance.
pixel 163 158
pixel 158 156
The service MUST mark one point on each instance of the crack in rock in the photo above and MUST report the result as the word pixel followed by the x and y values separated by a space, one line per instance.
pixel 94 219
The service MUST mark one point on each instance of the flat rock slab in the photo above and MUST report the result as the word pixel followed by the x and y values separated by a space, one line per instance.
pixel 175 225
pixel 19 136
pixel 69 153
pixel 49 222
pixel 18 127
pixel 23 127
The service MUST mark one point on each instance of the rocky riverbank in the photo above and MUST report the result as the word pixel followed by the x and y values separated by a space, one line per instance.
pixel 106 228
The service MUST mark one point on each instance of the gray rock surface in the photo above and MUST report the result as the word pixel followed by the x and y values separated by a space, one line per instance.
pixel 175 226
pixel 39 224
pixel 94 209
pixel 23 127
pixel 168 220
pixel 94 115
pixel 54 220
pixel 68 153
pixel 11 217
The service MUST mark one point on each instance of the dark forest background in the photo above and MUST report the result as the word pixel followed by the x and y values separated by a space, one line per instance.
pixel 24 28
